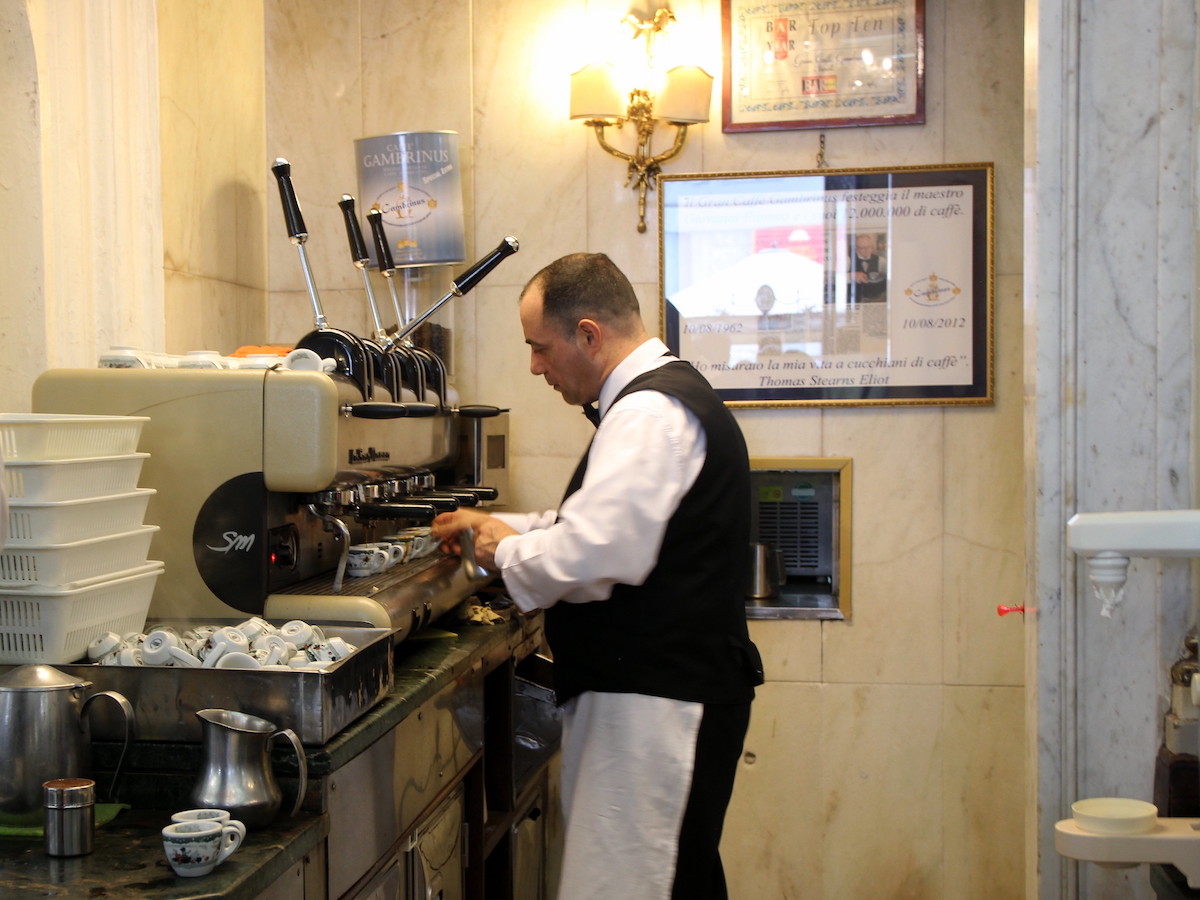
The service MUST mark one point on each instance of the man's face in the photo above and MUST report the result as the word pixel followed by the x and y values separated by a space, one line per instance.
pixel 564 362
pixel 865 244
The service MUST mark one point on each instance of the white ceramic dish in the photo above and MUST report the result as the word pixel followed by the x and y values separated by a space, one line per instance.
pixel 1114 815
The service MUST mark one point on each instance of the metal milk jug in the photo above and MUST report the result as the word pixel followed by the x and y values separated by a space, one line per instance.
pixel 235 769
pixel 44 735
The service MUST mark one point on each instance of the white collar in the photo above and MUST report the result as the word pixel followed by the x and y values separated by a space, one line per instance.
pixel 644 357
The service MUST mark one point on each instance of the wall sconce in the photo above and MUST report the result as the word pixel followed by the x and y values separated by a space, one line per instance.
pixel 681 100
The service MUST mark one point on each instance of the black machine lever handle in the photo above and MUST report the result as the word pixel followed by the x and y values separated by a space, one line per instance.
pixel 383 251
pixel 479 271
pixel 382 410
pixel 291 207
pixel 425 511
pixel 465 282
pixel 358 248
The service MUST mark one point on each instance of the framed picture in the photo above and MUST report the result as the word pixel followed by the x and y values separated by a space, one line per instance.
pixel 822 63
pixel 832 287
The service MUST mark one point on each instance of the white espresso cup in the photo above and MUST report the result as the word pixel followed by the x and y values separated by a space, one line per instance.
pixel 366 559
pixel 196 847
pixel 208 815
pixel 394 550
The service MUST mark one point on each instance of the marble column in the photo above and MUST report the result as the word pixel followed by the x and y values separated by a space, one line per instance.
pixel 1110 288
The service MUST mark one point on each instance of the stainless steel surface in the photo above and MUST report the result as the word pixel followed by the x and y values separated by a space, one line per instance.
pixel 383 793
pixel 44 735
pixel 404 599
pixel 466 544
pixel 766 572
pixel 70 816
pixel 235 769
pixel 316 705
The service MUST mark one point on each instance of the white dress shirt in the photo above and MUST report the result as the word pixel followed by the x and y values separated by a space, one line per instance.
pixel 646 454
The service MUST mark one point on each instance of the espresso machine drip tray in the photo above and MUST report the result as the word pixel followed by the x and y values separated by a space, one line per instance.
pixel 404 599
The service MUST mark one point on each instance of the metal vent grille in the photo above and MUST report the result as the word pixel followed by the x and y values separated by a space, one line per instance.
pixel 794 528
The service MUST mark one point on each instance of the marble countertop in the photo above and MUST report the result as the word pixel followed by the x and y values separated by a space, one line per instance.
pixel 128 863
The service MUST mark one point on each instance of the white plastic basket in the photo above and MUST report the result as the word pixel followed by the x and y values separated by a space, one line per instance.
pixel 66 564
pixel 55 625
pixel 39 524
pixel 52 436
pixel 73 479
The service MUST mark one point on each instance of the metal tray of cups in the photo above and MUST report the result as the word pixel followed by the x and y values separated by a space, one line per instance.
pixel 314 704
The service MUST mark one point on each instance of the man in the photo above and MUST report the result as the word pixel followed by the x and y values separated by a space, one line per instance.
pixel 868 280
pixel 642 572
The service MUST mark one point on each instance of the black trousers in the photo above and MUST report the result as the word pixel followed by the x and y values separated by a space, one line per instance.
pixel 698 871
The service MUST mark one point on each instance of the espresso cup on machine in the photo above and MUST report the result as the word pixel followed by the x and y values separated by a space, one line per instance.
pixel 396 552
pixel 366 559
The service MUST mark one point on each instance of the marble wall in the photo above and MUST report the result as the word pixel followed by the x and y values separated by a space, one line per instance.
pixel 885 752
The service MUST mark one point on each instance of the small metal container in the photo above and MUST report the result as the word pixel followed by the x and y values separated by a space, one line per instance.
pixel 70 816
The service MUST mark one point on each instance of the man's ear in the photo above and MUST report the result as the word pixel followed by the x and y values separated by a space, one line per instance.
pixel 589 333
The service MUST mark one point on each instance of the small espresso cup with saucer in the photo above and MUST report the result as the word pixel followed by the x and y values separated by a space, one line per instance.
pixel 394 550
pixel 196 847
pixel 365 559
pixel 208 815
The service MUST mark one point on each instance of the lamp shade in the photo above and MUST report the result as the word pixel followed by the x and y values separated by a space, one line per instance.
pixel 594 94
pixel 685 96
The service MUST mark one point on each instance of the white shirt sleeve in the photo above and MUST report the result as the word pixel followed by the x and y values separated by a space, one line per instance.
pixel 645 456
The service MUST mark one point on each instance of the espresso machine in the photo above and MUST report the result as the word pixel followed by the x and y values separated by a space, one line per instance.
pixel 264 477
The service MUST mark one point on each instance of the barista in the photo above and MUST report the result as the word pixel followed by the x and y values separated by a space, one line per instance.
pixel 642 572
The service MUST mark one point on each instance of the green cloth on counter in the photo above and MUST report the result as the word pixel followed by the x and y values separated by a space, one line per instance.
pixel 105 813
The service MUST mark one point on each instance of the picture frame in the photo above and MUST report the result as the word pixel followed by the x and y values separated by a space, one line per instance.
pixel 769 286
pixel 794 64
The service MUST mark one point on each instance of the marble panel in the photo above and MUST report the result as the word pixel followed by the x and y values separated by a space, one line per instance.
pixel 206 314
pixel 291 313
pixel 984 464
pixel 537 482
pixel 23 307
pixel 897 591
pixel 882 758
pixel 982 804
pixel 898 486
pixel 790 649
pixel 781 432
pixel 314 114
pixel 773 843
pixel 980 647
pixel 983 114
pixel 416 67
pixel 896 631
pixel 984 555
pixel 211 138
pixel 531 185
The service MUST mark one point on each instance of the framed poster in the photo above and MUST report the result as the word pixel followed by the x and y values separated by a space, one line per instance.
pixel 832 287
pixel 822 63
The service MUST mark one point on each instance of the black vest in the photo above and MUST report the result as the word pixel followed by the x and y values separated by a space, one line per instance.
pixel 682 634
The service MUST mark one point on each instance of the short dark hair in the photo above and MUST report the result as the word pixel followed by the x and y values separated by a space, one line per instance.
pixel 586 286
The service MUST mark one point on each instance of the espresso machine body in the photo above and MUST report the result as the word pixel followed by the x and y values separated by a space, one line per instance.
pixel 245 463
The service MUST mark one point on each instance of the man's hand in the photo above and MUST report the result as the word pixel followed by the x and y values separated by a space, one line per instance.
pixel 489 531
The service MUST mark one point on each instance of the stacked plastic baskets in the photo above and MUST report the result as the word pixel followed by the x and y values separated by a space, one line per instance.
pixel 74 565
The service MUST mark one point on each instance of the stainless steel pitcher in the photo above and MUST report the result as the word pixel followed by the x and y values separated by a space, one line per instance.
pixel 44 735
pixel 235 771
pixel 767 574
